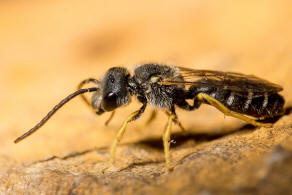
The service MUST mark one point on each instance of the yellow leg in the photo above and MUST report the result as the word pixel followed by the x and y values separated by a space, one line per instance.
pixel 84 82
pixel 177 122
pixel 182 128
pixel 118 139
pixel 151 118
pixel 166 138
pixel 110 118
pixel 226 111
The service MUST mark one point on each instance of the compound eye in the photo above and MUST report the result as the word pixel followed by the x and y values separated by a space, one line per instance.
pixel 110 102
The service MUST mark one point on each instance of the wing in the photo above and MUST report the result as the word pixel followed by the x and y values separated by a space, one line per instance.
pixel 238 83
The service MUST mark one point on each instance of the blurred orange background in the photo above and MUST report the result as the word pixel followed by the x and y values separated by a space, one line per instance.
pixel 48 47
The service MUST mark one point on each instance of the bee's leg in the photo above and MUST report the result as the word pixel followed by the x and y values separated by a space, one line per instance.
pixel 110 118
pixel 166 138
pixel 81 84
pixel 135 115
pixel 186 106
pixel 226 111
pixel 176 121
pixel 151 118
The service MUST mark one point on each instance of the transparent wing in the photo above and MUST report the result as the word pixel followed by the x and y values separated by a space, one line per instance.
pixel 236 82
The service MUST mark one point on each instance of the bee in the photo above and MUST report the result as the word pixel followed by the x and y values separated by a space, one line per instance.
pixel 164 87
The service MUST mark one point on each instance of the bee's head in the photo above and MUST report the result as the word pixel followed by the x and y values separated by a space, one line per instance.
pixel 113 91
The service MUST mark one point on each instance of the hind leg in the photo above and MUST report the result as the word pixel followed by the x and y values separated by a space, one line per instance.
pixel 203 97
pixel 212 101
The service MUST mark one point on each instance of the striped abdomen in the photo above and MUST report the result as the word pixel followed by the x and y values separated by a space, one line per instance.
pixel 263 105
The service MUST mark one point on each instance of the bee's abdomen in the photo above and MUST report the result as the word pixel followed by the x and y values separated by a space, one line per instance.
pixel 258 105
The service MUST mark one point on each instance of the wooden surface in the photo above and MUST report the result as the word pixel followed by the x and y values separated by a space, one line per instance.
pixel 48 47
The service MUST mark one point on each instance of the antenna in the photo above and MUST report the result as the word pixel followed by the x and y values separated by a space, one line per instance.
pixel 52 112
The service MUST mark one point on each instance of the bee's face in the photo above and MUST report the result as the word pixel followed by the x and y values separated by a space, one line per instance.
pixel 113 91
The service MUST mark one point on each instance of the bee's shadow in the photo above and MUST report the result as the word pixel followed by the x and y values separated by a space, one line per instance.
pixel 180 138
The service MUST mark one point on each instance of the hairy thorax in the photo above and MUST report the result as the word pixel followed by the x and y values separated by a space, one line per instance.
pixel 148 78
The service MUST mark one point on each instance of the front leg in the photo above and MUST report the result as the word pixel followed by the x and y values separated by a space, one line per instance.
pixel 133 116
